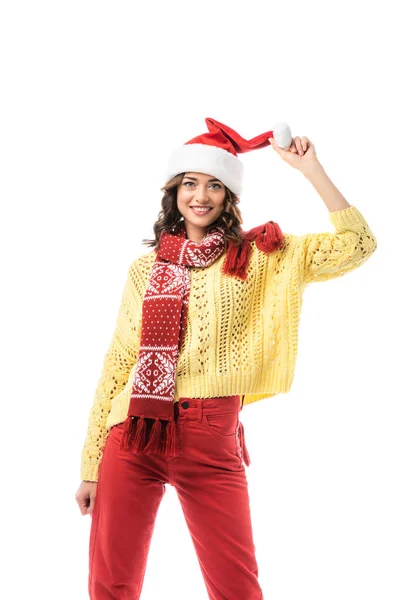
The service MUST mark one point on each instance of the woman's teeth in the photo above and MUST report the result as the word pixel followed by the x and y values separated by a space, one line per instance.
pixel 200 211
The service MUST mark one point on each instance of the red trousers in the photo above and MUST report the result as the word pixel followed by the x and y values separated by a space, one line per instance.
pixel 210 480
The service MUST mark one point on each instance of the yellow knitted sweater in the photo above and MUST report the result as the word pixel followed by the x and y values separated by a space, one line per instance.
pixel 241 336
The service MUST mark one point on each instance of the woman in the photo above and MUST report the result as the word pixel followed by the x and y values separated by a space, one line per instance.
pixel 208 323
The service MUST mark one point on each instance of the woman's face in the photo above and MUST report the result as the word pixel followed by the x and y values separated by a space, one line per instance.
pixel 199 189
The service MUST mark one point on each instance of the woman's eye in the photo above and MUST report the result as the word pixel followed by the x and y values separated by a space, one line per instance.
pixel 191 182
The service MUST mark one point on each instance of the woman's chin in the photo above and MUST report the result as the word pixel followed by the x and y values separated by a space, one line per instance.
pixel 200 220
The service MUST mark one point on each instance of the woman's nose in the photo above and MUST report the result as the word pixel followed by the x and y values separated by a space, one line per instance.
pixel 201 194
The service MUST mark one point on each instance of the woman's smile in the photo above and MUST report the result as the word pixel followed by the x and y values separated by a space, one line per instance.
pixel 201 210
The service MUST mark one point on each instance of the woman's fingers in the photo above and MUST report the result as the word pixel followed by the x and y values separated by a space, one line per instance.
pixel 296 146
pixel 299 148
pixel 299 145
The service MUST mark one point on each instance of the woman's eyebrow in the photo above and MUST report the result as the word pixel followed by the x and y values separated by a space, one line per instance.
pixel 195 178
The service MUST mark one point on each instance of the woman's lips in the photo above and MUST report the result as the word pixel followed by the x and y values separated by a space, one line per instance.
pixel 200 212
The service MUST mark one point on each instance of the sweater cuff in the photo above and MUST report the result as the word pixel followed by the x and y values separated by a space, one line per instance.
pixel 347 218
pixel 89 472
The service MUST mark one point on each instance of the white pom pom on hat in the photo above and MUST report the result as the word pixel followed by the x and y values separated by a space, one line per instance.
pixel 215 152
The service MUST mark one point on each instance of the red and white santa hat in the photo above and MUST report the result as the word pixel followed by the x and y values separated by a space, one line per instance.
pixel 215 152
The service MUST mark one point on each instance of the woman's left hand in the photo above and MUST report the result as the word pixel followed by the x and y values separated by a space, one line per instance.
pixel 300 155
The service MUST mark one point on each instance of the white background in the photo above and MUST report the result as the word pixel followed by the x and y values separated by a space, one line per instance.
pixel 94 95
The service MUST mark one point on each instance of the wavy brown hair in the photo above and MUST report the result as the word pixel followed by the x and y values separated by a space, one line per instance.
pixel 169 216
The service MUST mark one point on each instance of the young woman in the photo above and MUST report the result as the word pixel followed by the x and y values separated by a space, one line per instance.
pixel 208 323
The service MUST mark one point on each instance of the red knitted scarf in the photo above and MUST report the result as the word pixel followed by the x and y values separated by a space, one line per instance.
pixel 150 425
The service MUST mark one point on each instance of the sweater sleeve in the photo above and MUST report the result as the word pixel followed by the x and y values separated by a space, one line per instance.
pixel 118 362
pixel 328 255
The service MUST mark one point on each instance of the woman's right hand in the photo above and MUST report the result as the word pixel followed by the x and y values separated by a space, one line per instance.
pixel 85 496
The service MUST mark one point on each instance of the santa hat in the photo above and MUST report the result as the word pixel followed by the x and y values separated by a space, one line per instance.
pixel 215 152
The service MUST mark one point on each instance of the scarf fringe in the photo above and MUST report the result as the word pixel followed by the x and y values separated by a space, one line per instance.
pixel 268 237
pixel 135 434
pixel 154 444
pixel 237 259
pixel 172 439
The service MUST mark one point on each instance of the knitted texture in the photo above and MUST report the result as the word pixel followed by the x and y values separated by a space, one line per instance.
pixel 241 335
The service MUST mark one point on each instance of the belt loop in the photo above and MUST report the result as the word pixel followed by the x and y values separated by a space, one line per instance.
pixel 199 410
pixel 242 400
